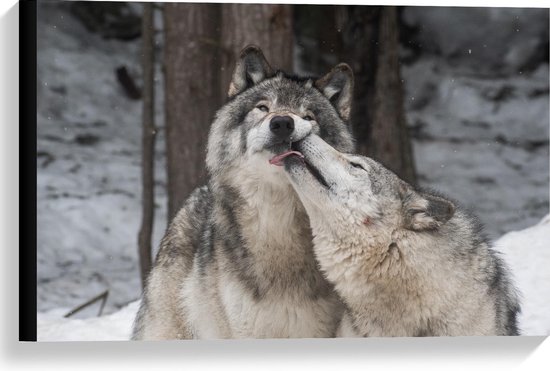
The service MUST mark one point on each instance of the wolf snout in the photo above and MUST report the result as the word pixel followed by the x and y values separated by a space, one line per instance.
pixel 282 127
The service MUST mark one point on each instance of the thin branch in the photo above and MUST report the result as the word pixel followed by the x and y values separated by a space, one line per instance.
pixel 103 296
pixel 148 143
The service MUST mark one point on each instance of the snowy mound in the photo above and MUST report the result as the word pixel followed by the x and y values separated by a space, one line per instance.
pixel 116 326
pixel 527 252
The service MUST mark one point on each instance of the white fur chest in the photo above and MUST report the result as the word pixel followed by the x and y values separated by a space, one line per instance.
pixel 277 316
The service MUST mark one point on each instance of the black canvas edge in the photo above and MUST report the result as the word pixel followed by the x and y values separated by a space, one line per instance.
pixel 27 170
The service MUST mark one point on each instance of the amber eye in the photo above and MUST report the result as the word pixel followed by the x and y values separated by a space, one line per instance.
pixel 263 108
pixel 355 164
pixel 308 118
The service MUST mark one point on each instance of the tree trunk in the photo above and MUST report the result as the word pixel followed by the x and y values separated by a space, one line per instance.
pixel 369 43
pixel 265 25
pixel 148 142
pixel 318 43
pixel 390 142
pixel 359 26
pixel 192 93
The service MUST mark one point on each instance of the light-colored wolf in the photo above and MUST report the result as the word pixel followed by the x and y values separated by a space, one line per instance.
pixel 237 260
pixel 405 262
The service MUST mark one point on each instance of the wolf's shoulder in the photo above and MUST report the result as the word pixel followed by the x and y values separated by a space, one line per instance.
pixel 195 209
pixel 183 235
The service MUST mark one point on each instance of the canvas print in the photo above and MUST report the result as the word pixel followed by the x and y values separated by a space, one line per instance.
pixel 251 171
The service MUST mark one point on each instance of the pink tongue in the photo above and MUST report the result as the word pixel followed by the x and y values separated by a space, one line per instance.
pixel 278 160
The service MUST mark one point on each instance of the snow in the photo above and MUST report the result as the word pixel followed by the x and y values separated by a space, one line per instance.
pixel 483 141
pixel 88 178
pixel 479 137
pixel 527 253
pixel 116 326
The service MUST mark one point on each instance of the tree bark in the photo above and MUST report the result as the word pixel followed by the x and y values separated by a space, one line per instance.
pixel 268 26
pixel 390 142
pixel 148 142
pixel 192 93
pixel 370 44
pixel 318 42
pixel 359 25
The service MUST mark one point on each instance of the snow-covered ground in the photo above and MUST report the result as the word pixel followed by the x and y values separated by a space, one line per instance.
pixel 482 139
pixel 528 252
pixel 88 177
pixel 115 326
pixel 477 103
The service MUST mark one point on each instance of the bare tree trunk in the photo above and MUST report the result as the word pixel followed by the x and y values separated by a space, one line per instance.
pixel 191 60
pixel 370 44
pixel 390 142
pixel 359 25
pixel 148 142
pixel 320 41
pixel 267 25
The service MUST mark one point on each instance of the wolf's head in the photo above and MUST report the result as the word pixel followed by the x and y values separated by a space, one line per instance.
pixel 267 112
pixel 356 196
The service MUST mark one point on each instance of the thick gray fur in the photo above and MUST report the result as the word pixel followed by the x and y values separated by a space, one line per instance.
pixel 237 260
pixel 405 262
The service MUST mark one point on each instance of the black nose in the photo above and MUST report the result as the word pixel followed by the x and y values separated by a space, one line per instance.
pixel 282 126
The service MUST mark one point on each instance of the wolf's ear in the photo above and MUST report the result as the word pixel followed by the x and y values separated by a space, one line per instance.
pixel 337 86
pixel 251 68
pixel 422 211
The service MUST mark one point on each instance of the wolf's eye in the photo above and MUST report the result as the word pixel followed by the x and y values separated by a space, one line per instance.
pixel 355 164
pixel 308 118
pixel 263 108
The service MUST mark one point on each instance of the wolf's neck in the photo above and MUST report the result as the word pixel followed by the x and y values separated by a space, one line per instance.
pixel 274 218
pixel 351 259
pixel 274 228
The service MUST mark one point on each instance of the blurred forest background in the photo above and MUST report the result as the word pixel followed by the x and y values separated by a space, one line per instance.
pixel 451 98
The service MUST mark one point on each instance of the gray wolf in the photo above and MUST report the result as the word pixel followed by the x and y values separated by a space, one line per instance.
pixel 405 262
pixel 237 260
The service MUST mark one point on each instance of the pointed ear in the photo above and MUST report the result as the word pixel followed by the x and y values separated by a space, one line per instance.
pixel 422 211
pixel 251 68
pixel 337 86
